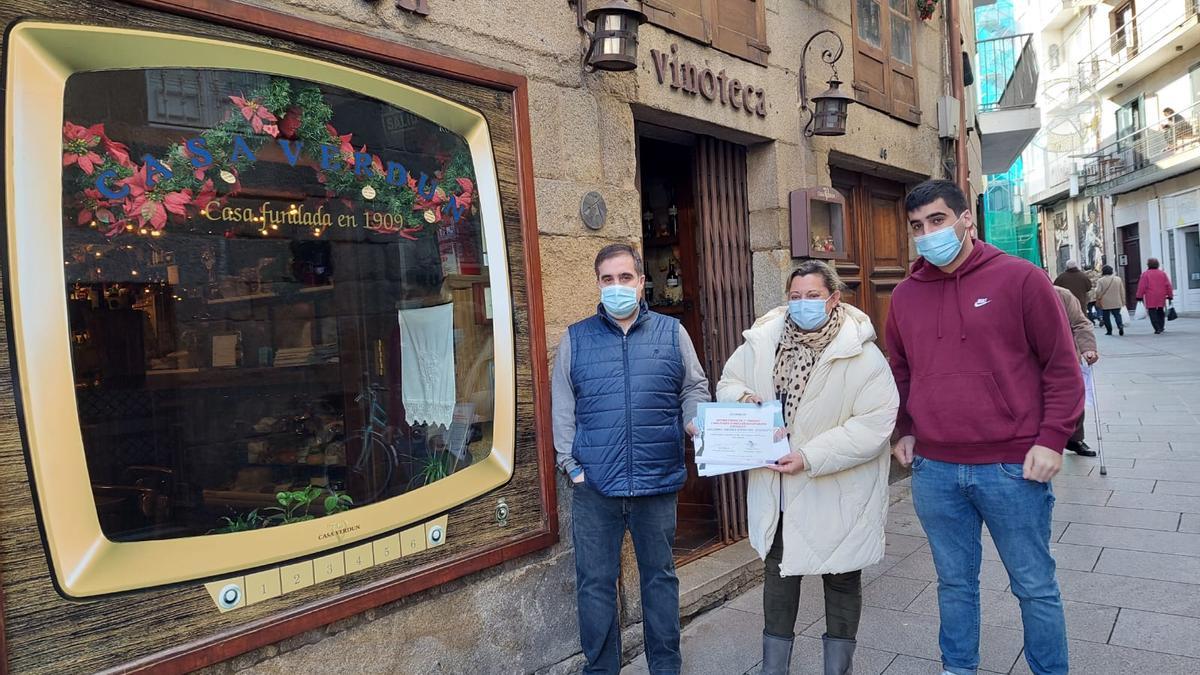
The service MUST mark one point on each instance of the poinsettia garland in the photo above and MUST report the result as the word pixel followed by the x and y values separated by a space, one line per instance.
pixel 925 9
pixel 182 184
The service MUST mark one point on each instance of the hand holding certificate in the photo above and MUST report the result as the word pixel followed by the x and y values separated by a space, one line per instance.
pixel 738 436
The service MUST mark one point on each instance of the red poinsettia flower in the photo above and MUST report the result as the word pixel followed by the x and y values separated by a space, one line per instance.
pixel 260 119
pixel 290 124
pixel 78 144
pixel 118 151
pixel 207 194
pixel 95 207
pixel 116 228
pixel 464 198
pixel 177 202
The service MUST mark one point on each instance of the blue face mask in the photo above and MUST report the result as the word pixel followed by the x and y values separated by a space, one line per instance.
pixel 808 314
pixel 619 301
pixel 941 247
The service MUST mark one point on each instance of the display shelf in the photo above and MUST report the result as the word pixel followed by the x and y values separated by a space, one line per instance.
pixel 207 378
pixel 264 296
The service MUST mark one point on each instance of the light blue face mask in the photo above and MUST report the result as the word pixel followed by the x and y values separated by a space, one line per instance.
pixel 619 301
pixel 941 247
pixel 808 314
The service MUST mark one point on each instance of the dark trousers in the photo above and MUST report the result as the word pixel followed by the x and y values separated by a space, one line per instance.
pixel 781 598
pixel 598 525
pixel 1077 437
pixel 1158 318
pixel 1107 315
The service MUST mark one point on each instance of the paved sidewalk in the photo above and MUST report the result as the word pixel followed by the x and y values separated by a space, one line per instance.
pixel 1127 545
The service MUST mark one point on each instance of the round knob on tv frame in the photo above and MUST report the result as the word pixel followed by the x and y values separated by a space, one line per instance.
pixel 230 596
pixel 436 535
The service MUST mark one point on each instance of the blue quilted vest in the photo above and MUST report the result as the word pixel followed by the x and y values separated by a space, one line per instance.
pixel 628 421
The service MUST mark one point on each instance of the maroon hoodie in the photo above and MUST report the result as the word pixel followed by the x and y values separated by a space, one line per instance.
pixel 984 360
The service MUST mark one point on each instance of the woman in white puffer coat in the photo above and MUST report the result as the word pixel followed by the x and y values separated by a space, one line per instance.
pixel 821 509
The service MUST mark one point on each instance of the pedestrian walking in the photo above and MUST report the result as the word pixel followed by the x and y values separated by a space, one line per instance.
pixel 1076 281
pixel 1154 289
pixel 1110 298
pixel 822 508
pixel 990 391
pixel 1085 346
pixel 624 381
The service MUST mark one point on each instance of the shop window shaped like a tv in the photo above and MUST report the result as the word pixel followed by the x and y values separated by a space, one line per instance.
pixel 278 300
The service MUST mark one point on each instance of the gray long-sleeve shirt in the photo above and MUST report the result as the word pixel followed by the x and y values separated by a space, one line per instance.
pixel 562 395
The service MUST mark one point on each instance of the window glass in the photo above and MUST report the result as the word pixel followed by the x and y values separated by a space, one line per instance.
pixel 278 300
pixel 902 39
pixel 868 23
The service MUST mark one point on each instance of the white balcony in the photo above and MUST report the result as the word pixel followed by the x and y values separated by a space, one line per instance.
pixel 1148 155
pixel 1008 117
pixel 1058 13
pixel 1153 37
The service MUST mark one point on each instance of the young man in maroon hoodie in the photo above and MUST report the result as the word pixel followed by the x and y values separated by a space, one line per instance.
pixel 990 390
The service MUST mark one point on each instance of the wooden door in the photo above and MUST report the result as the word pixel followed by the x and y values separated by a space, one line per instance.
pixel 727 296
pixel 877 245
pixel 1131 271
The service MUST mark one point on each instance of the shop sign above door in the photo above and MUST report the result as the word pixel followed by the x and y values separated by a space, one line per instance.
pixel 703 81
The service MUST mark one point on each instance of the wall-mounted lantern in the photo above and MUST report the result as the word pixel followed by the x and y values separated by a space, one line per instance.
pixel 612 45
pixel 827 116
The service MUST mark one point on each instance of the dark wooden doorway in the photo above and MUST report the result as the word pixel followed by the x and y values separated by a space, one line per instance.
pixel 877 249
pixel 669 249
pixel 1131 270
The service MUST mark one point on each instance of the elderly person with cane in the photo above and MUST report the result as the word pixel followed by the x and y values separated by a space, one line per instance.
pixel 821 509
pixel 1085 344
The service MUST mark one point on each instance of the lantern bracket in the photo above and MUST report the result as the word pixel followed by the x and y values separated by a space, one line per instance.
pixel 830 57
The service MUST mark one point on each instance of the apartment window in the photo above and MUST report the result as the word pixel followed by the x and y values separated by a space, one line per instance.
pixel 1124 29
pixel 735 27
pixel 885 73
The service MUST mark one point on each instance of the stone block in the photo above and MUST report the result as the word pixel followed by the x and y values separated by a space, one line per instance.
pixel 1171 487
pixel 1107 515
pixel 1145 565
pixel 1158 502
pixel 1153 541
pixel 1085 621
pixel 1158 633
pixel 1129 592
pixel 1098 659
pixel 893 592
pixel 919 565
pixel 1070 495
pixel 1098 482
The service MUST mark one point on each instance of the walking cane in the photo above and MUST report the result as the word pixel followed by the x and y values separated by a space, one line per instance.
pixel 1089 379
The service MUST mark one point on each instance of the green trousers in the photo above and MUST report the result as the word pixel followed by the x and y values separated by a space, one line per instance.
pixel 781 598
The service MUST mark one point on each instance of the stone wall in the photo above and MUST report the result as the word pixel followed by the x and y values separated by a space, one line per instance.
pixel 520 617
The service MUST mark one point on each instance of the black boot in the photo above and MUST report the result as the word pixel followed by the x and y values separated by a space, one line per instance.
pixel 777 654
pixel 1121 330
pixel 839 655
pixel 1080 448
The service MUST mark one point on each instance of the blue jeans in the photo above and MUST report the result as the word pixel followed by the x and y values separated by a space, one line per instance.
pixel 952 501
pixel 598 525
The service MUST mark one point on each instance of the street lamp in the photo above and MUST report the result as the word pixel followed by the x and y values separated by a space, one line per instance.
pixel 613 44
pixel 827 116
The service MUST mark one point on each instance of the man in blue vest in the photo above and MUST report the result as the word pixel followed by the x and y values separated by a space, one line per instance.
pixel 624 382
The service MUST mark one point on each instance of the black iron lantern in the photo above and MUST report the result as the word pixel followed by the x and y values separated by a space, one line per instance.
pixel 827 116
pixel 612 45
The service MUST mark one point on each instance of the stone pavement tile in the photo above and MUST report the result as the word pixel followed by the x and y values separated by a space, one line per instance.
pixel 1160 469
pixel 1185 445
pixel 1072 495
pixel 904 523
pixel 917 635
pixel 1171 487
pixel 1157 502
pixel 1158 418
pixel 808 656
pixel 901 545
pixel 1132 539
pixel 1121 438
pixel 919 565
pixel 1085 621
pixel 1097 482
pixel 1089 658
pixel 1190 523
pixel 911 665
pixel 1074 556
pixel 873 572
pixel 1145 594
pixel 1151 433
pixel 892 592
pixel 1057 527
pixel 1105 515
pixel 1158 632
pixel 750 601
pixel 722 641
pixel 1162 566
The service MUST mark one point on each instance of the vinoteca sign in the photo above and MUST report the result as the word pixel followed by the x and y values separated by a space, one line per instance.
pixel 694 80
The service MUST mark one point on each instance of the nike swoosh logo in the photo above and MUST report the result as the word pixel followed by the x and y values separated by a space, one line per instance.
pixel 981 302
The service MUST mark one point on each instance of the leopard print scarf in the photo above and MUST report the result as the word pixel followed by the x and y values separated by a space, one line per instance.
pixel 797 356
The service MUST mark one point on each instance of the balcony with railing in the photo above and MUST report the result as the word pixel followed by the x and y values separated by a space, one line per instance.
pixel 1008 117
pixel 1140 44
pixel 1058 13
pixel 1153 153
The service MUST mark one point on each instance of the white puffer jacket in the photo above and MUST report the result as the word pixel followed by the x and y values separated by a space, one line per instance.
pixel 835 509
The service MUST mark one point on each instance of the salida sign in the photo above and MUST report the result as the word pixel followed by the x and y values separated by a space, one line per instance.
pixel 730 91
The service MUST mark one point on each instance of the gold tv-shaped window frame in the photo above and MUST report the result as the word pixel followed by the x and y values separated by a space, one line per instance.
pixel 41 57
